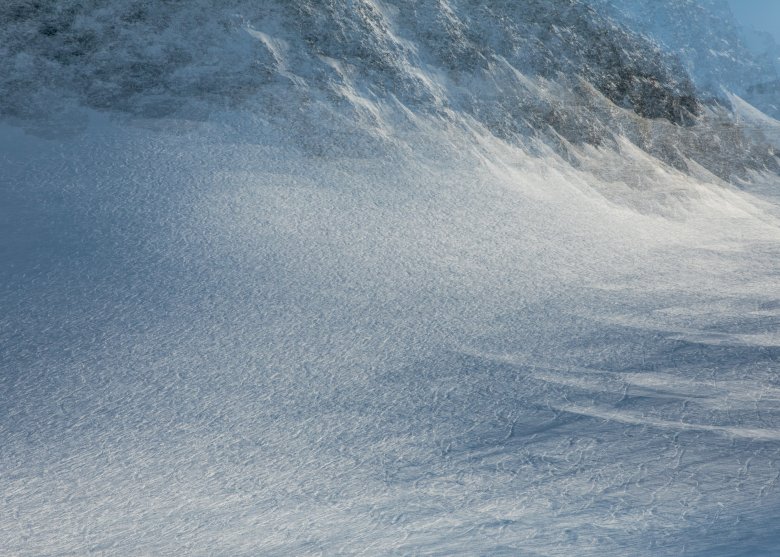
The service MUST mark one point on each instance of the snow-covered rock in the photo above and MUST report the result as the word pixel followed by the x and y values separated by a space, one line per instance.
pixel 720 55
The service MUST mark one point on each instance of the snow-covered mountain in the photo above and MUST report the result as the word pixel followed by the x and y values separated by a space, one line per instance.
pixel 716 51
pixel 386 277
pixel 129 55
pixel 560 71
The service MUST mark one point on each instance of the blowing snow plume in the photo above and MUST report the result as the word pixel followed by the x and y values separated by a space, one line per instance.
pixel 362 277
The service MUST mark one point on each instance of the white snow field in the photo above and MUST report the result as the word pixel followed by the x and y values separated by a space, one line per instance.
pixel 359 325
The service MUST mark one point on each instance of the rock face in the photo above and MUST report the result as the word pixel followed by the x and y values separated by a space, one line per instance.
pixel 116 56
pixel 566 72
pixel 716 52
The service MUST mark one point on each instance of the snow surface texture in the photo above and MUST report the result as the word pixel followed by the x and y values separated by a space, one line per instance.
pixel 410 286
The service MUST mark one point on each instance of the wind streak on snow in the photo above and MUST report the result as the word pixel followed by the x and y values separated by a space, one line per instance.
pixel 220 343
pixel 629 418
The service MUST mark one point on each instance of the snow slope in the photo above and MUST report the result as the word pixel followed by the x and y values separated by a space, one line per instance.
pixel 399 292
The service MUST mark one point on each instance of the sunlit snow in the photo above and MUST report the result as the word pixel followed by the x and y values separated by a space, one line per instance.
pixel 368 323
